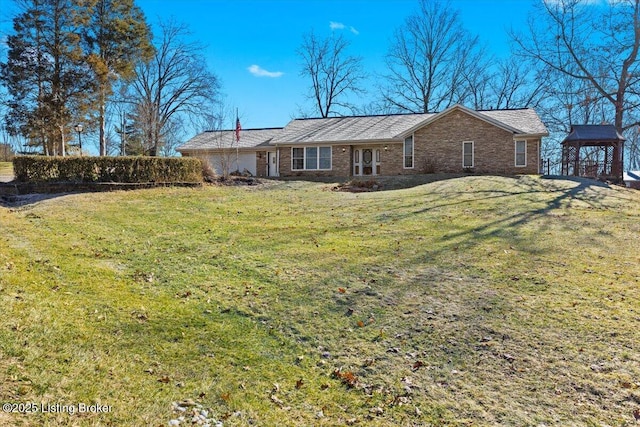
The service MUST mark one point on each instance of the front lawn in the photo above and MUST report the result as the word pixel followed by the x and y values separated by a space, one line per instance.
pixel 470 301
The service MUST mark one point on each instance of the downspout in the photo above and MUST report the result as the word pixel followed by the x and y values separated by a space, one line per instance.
pixel 540 166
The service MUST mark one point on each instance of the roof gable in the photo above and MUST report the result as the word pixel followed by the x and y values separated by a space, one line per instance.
pixel 519 122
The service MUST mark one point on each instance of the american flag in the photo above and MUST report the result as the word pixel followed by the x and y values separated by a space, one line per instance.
pixel 238 129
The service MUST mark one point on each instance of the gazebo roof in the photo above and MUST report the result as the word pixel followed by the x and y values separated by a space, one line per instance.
pixel 592 135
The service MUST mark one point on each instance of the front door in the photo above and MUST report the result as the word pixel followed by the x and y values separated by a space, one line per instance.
pixel 272 163
pixel 366 161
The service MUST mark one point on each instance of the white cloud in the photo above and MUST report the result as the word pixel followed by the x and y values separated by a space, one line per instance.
pixel 340 26
pixel 258 71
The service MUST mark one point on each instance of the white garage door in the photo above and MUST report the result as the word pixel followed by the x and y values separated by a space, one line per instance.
pixel 239 162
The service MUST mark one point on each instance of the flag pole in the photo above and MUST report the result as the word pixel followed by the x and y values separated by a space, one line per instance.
pixel 238 141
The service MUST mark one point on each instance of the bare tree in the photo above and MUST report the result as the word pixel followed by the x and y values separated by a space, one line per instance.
pixel 427 60
pixel 564 101
pixel 334 74
pixel 225 141
pixel 515 85
pixel 594 44
pixel 633 144
pixel 174 83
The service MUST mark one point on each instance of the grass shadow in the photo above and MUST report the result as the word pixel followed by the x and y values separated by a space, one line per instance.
pixel 25 200
pixel 382 182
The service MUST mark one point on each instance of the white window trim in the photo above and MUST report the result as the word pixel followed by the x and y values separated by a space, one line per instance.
pixel 304 158
pixel 413 152
pixel 515 154
pixel 473 154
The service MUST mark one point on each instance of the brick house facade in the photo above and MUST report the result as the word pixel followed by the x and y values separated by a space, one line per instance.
pixel 455 140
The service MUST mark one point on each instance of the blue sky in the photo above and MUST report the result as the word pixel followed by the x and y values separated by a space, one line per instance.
pixel 251 44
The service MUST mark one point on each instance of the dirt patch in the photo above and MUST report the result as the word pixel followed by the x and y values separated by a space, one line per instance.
pixel 234 180
pixel 357 186
pixel 385 183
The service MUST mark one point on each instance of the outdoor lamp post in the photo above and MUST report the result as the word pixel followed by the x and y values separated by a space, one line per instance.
pixel 78 129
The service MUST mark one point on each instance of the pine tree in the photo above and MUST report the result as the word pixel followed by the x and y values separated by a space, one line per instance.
pixel 45 75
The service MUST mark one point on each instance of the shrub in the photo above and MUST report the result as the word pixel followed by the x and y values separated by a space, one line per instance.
pixel 108 169
pixel 208 172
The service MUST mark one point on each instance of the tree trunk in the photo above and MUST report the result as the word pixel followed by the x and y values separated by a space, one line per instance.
pixel 63 152
pixel 616 163
pixel 103 142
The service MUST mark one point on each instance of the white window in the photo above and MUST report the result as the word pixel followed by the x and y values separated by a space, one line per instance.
pixel 324 158
pixel 408 152
pixel 467 154
pixel 521 153
pixel 311 158
pixel 297 158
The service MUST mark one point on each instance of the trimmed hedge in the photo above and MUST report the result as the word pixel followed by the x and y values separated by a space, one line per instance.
pixel 108 169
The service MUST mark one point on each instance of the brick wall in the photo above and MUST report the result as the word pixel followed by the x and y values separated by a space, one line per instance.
pixel 438 147
pixel 340 163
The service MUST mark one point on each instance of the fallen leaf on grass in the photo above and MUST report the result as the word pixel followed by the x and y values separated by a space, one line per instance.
pixel 342 290
pixel 361 323
pixel 225 396
pixel 277 401
pixel 419 364
pixel 165 379
pixel 369 362
pixel 140 315
pixel 508 357
pixel 377 410
pixel 348 378
pixel 299 383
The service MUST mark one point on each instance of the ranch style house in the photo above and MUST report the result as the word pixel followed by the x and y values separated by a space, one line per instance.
pixel 458 139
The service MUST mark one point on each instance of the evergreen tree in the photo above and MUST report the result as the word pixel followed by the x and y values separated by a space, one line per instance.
pixel 45 75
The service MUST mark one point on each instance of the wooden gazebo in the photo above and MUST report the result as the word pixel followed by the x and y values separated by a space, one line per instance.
pixel 604 159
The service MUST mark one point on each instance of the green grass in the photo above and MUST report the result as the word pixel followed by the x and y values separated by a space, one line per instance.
pixel 470 301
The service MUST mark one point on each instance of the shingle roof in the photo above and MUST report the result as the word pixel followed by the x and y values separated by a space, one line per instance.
pixel 389 127
pixel 593 133
pixel 525 120
pixel 348 129
pixel 249 138
pixel 356 129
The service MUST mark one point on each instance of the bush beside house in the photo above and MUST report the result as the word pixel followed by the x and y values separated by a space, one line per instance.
pixel 161 170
